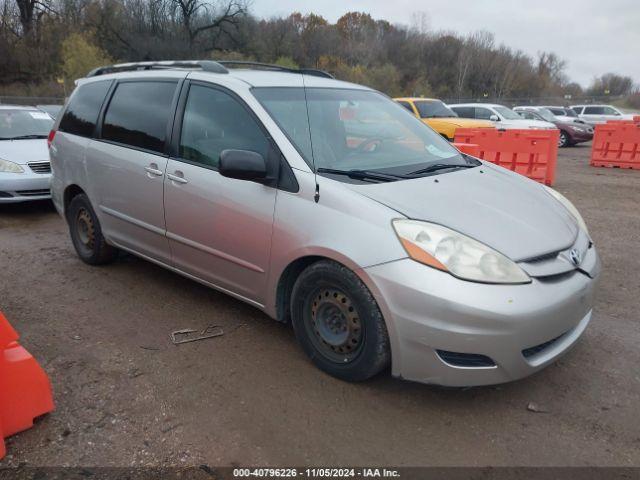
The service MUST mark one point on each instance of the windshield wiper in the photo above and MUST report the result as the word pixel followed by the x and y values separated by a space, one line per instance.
pixel 438 166
pixel 362 174
pixel 23 137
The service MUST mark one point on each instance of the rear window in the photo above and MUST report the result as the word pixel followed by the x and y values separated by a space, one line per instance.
pixel 138 114
pixel 81 114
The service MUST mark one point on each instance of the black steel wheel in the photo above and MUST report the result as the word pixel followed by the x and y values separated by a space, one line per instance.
pixel 86 233
pixel 338 323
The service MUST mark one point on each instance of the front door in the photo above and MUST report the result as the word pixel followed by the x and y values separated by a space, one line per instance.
pixel 219 229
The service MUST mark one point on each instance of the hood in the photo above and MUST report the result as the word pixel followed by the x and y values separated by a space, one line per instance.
pixel 23 151
pixel 508 212
pixel 459 122
pixel 524 123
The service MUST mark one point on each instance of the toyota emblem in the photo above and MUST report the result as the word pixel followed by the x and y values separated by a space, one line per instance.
pixel 576 256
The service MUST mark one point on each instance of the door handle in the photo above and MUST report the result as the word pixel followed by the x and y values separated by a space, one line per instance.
pixel 153 170
pixel 177 177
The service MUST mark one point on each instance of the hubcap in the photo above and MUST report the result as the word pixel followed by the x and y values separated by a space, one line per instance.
pixel 85 229
pixel 335 325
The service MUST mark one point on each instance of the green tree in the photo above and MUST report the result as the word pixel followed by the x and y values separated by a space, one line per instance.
pixel 80 55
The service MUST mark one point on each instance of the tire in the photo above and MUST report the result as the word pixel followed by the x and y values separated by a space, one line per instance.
pixel 338 323
pixel 86 233
pixel 564 140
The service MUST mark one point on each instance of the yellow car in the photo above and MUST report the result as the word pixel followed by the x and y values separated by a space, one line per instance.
pixel 440 117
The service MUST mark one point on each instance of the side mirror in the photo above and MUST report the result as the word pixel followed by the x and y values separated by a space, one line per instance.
pixel 242 165
pixel 617 114
pixel 494 118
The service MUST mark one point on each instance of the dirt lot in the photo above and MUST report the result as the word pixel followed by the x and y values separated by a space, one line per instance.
pixel 126 396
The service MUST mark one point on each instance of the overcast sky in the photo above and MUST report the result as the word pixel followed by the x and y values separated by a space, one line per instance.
pixel 593 36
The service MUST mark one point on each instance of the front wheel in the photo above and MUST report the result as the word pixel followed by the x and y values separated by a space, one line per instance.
pixel 338 322
pixel 564 140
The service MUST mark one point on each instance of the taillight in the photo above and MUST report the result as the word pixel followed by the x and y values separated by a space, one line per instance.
pixel 50 138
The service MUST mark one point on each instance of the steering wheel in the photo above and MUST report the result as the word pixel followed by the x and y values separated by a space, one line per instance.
pixel 369 145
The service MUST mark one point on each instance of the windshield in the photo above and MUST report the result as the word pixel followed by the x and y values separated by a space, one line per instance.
pixel 507 113
pixel 24 123
pixel 345 129
pixel 570 113
pixel 433 109
pixel 546 114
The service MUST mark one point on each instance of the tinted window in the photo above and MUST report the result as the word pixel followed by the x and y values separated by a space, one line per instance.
pixel 82 112
pixel 557 111
pixel 593 110
pixel 215 121
pixel 609 111
pixel 483 113
pixel 578 110
pixel 138 113
pixel 407 105
pixel 434 109
pixel 464 112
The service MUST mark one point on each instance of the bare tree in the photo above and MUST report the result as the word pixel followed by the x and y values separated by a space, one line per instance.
pixel 199 16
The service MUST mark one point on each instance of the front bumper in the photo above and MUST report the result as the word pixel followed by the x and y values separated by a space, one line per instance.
pixel 428 310
pixel 580 137
pixel 23 187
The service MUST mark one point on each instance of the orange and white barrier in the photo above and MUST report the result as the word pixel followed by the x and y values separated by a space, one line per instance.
pixel 532 153
pixel 25 391
pixel 616 144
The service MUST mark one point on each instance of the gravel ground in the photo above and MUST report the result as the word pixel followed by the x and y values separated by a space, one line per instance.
pixel 126 396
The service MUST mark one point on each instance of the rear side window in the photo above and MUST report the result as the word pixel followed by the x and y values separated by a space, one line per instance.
pixel 82 112
pixel 407 105
pixel 483 113
pixel 578 110
pixel 138 114
pixel 594 111
pixel 464 112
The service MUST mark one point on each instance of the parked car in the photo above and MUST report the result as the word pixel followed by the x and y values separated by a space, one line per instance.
pixel 440 117
pixel 284 189
pixel 563 113
pixel 571 133
pixel 25 171
pixel 501 116
pixel 52 110
pixel 596 114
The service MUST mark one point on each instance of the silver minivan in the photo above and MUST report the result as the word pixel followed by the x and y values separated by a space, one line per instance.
pixel 328 206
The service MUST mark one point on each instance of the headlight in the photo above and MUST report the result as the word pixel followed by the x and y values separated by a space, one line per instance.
pixel 10 167
pixel 452 252
pixel 570 207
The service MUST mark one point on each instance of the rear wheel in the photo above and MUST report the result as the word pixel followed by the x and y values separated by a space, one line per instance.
pixel 564 140
pixel 86 233
pixel 338 323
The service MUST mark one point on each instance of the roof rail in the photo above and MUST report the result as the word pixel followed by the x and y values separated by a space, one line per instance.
pixel 271 66
pixel 206 65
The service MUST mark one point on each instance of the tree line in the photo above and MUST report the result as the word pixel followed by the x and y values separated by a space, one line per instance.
pixel 46 44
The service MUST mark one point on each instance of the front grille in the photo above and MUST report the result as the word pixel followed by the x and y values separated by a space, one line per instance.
pixel 33 193
pixel 469 360
pixel 531 351
pixel 542 258
pixel 40 167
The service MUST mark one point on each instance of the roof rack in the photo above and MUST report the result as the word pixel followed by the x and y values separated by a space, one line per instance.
pixel 206 65
pixel 271 66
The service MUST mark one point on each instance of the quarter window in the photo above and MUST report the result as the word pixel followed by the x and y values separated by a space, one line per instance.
pixel 81 114
pixel 215 121
pixel 138 114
